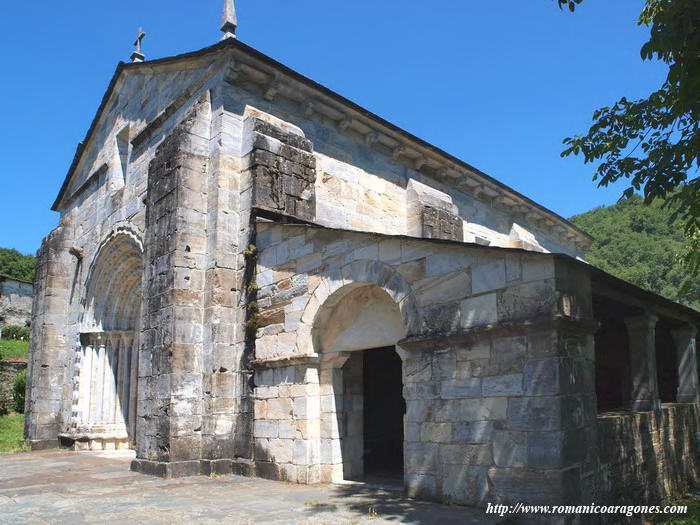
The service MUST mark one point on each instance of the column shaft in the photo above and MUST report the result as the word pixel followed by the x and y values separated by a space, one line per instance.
pixel 686 359
pixel 644 395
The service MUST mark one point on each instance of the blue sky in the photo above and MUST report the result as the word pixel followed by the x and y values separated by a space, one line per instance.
pixel 498 84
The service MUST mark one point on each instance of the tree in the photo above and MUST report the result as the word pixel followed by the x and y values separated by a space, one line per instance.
pixel 16 265
pixel 654 142
pixel 642 245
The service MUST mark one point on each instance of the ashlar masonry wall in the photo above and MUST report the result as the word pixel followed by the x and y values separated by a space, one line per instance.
pixel 497 363
pixel 361 187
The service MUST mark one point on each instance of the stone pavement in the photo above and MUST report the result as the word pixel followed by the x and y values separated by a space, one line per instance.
pixel 78 487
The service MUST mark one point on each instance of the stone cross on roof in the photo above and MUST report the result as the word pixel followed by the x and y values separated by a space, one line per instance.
pixel 137 55
pixel 229 21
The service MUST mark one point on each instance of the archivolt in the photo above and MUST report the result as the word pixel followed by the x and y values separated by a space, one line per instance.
pixel 334 287
pixel 113 293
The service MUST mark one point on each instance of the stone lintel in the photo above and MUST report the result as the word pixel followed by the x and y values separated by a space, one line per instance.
pixel 436 340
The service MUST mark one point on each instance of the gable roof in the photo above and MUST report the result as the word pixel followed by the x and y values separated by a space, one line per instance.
pixel 232 43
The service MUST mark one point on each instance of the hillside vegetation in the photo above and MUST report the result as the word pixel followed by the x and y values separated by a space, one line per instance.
pixel 639 244
pixel 16 265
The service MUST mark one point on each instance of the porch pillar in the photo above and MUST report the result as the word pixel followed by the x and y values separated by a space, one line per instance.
pixel 686 360
pixel 644 394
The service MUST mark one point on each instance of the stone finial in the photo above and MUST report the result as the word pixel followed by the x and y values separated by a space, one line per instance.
pixel 229 21
pixel 137 55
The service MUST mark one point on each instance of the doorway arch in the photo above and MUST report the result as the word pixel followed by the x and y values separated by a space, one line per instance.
pixel 106 359
pixel 355 330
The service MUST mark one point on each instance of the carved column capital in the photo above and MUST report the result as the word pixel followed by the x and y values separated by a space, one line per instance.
pixel 685 332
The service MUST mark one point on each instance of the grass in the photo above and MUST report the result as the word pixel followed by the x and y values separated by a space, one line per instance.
pixel 13 349
pixel 12 434
pixel 691 518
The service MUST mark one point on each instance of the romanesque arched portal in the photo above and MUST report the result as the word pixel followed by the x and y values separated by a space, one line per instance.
pixel 355 332
pixel 105 363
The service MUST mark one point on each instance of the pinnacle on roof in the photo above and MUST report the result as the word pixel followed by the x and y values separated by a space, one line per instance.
pixel 229 21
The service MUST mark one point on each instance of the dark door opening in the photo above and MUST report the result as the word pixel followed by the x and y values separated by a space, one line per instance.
pixel 383 410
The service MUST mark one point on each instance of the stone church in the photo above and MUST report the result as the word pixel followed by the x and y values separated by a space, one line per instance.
pixel 254 275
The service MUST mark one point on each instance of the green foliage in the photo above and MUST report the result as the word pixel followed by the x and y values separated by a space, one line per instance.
pixel 16 265
pixel 19 390
pixel 12 349
pixel 12 434
pixel 655 142
pixel 692 517
pixel 571 4
pixel 642 245
pixel 17 333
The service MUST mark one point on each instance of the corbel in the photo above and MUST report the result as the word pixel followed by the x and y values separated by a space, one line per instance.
pixel 398 152
pixel 309 108
pixel 273 88
pixel 234 73
pixel 371 138
pixel 419 162
pixel 345 122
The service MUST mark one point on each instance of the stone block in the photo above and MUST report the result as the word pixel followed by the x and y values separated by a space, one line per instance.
pixel 489 275
pixel 537 487
pixel 421 457
pixel 460 388
pixel 436 432
pixel 331 452
pixel 466 485
pixel 508 355
pixel 551 376
pixel 280 450
pixel 473 431
pixel 280 408
pixel 265 429
pixel 466 454
pixel 444 365
pixel 510 449
pixel 530 300
pixel 305 452
pixel 480 350
pixel 419 410
pixel 510 385
pixel 418 369
pixel 443 289
pixel 307 407
pixel 443 318
pixel 479 311
pixel 421 486
pixel 544 413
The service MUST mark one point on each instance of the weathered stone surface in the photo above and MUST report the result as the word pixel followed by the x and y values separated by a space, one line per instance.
pixel 16 299
pixel 283 170
pixel 249 317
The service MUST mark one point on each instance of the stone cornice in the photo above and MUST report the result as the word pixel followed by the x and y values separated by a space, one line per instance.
pixel 437 340
pixel 280 362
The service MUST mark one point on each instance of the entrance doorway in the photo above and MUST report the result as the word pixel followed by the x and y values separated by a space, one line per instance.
pixel 383 413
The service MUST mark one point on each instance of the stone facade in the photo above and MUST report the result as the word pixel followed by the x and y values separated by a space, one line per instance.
pixel 15 301
pixel 235 245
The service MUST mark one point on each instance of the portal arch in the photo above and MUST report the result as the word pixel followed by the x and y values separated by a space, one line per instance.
pixel 356 327
pixel 105 364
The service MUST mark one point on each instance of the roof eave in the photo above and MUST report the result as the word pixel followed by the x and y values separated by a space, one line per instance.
pixel 237 44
